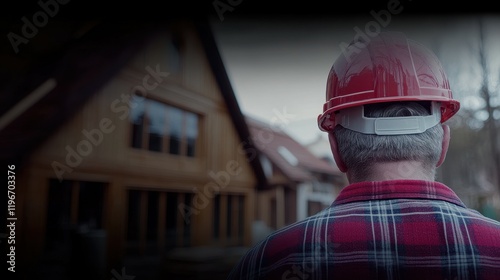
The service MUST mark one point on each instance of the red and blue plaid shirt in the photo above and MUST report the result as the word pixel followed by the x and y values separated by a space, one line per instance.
pixel 382 230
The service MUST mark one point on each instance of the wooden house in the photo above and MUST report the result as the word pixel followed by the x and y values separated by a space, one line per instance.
pixel 127 142
pixel 299 183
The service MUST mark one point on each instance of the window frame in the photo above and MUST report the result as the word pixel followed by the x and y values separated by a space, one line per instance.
pixel 144 244
pixel 165 149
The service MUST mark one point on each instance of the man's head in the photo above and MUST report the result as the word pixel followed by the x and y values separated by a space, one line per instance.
pixel 386 101
pixel 359 153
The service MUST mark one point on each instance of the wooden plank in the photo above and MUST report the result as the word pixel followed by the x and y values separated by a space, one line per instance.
pixel 115 220
pixel 36 217
pixel 280 207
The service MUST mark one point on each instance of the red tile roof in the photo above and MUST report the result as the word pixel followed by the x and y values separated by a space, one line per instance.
pixel 268 139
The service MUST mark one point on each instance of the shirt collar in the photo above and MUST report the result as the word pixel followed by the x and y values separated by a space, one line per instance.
pixel 409 189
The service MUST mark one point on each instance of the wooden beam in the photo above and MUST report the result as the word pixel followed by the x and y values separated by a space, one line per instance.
pixel 280 207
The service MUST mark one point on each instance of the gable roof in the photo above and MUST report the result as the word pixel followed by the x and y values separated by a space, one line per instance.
pixel 278 146
pixel 55 80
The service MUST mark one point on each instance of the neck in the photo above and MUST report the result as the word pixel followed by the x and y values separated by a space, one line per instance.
pixel 401 170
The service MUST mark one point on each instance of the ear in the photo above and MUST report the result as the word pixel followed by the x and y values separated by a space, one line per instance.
pixel 336 154
pixel 445 144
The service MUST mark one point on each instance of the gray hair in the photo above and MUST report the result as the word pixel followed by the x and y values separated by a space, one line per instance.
pixel 359 151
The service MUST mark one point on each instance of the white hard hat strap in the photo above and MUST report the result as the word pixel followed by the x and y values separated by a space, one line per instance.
pixel 354 119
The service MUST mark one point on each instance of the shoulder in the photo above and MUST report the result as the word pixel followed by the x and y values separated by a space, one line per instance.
pixel 279 252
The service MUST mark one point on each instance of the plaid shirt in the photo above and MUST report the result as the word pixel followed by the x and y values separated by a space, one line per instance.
pixel 382 230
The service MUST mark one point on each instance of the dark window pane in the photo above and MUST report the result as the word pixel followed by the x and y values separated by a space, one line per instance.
pixel 171 223
pixel 188 199
pixel 175 129
pixel 153 202
pixel 137 113
pixel 155 142
pixel 90 204
pixel 133 215
pixel 157 125
pixel 229 215
pixel 191 133
pixel 58 215
pixel 216 216
pixel 191 145
pixel 137 135
pixel 175 146
pixel 241 217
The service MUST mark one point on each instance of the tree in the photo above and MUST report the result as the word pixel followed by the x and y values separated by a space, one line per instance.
pixel 472 166
pixel 487 95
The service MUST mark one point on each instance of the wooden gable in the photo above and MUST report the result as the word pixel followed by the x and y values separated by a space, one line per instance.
pixel 104 121
pixel 83 168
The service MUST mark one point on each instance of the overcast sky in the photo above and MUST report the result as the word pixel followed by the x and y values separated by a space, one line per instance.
pixel 278 66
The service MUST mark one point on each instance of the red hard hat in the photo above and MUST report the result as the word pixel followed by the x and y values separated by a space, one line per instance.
pixel 388 68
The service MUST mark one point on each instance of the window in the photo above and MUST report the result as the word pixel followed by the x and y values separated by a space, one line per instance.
pixel 228 219
pixel 163 128
pixel 288 156
pixel 191 133
pixel 72 206
pixel 155 223
pixel 175 130
pixel 74 230
pixel 267 166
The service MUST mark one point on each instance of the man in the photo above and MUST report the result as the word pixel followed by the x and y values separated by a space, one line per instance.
pixel 386 102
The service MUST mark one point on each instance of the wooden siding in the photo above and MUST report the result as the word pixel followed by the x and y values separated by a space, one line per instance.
pixel 113 161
